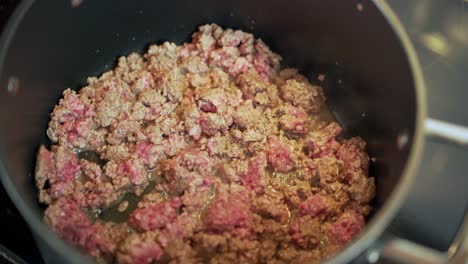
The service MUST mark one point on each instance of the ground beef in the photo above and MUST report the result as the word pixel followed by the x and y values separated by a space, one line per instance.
pixel 305 232
pixel 205 152
pixel 280 154
pixel 227 214
pixel 139 249
pixel 346 227
pixel 67 219
pixel 156 216
pixel 303 94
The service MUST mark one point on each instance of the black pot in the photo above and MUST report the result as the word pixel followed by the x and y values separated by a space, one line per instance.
pixel 374 83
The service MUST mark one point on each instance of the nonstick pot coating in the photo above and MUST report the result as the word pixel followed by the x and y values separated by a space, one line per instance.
pixel 369 82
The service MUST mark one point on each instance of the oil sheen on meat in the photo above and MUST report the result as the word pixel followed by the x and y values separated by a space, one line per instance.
pixel 205 152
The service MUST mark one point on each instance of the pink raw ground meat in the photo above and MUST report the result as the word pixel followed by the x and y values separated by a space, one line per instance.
pixel 156 216
pixel 280 154
pixel 314 205
pixel 348 225
pixel 205 152
pixel 228 214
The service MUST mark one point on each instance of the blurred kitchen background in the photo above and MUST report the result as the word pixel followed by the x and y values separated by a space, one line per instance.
pixel 439 199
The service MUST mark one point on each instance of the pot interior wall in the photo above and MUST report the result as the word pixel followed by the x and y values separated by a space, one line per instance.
pixel 368 79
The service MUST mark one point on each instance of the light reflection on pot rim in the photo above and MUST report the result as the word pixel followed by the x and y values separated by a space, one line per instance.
pixel 380 221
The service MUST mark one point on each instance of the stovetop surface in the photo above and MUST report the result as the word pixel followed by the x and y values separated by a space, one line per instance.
pixel 439 200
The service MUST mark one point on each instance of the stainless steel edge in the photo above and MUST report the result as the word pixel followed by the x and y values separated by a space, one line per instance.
pixel 447 131
pixel 378 224
pixel 404 251
pixel 455 134
pixel 458 250
pixel 401 250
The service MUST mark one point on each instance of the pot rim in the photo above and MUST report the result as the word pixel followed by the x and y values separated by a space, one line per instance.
pixel 41 232
pixel 374 228
pixel 380 221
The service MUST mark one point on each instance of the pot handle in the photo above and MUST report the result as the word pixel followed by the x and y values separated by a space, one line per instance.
pixel 403 251
pixel 399 250
pixel 446 131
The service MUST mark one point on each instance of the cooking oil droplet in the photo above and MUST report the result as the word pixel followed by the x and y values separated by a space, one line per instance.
pixel 321 77
pixel 76 3
pixel 373 256
pixel 289 217
pixel 13 85
pixel 96 212
pixel 360 7
pixel 123 206
pixel 402 140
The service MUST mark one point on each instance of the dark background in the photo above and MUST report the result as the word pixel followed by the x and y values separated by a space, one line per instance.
pixel 439 199
pixel 14 234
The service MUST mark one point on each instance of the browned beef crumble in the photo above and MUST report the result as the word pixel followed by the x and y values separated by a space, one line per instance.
pixel 207 152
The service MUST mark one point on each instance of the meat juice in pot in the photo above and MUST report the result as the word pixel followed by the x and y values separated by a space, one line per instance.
pixel 206 152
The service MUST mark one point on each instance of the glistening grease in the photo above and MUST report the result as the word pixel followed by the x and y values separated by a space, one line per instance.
pixel 206 152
